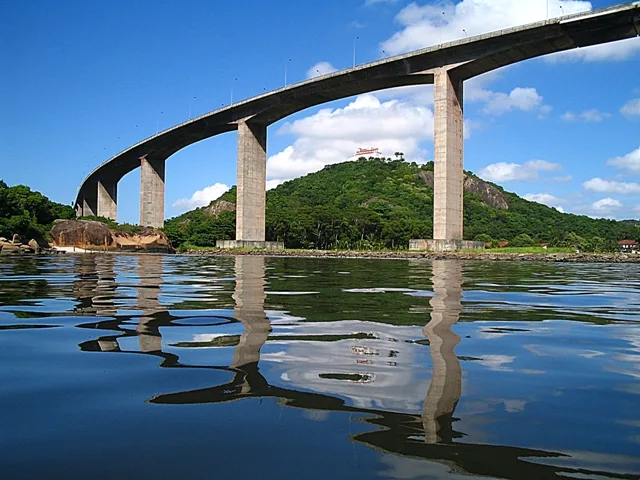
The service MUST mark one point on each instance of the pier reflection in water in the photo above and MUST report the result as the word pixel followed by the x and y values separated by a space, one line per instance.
pixel 429 435
pixel 397 382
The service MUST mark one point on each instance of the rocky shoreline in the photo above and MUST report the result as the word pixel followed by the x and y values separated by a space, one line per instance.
pixel 482 255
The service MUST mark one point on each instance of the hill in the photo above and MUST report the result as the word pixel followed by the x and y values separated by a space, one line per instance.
pixel 27 213
pixel 376 203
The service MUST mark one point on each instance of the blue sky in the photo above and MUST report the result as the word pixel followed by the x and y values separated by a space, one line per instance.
pixel 82 81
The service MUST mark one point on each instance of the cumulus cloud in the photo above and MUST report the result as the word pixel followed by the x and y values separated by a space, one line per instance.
pixel 200 198
pixel 565 179
pixel 630 161
pixel 333 135
pixel 605 186
pixel 529 171
pixel 588 116
pixel 545 199
pixel 496 103
pixel 429 24
pixel 525 99
pixel 606 205
pixel 631 108
pixel 320 68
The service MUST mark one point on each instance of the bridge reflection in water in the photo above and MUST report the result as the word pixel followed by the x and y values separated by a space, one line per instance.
pixel 428 435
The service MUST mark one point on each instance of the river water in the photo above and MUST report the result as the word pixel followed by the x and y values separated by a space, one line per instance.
pixel 288 368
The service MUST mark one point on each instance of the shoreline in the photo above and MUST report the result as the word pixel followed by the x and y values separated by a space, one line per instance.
pixel 403 255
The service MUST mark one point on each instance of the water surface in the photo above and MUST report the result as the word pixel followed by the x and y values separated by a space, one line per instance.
pixel 211 367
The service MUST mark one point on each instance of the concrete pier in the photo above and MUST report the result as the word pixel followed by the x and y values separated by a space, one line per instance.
pixel 448 173
pixel 252 177
pixel 89 206
pixel 151 192
pixel 107 199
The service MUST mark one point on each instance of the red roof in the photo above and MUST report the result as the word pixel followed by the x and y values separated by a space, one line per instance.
pixel 627 242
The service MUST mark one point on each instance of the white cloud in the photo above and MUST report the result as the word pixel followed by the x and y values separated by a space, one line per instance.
pixel 273 183
pixel 545 199
pixel 631 108
pixel 320 68
pixel 529 171
pixel 525 99
pixel 588 116
pixel 565 179
pixel 605 186
pixel 630 161
pixel 200 198
pixel 607 52
pixel 520 98
pixel 606 205
pixel 429 24
pixel 333 135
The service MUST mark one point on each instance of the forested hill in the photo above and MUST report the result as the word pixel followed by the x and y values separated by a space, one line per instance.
pixel 378 203
pixel 28 213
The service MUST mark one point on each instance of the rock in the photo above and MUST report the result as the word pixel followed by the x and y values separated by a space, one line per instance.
pixel 219 206
pixel 34 245
pixel 2 239
pixel 474 185
pixel 26 249
pixel 82 234
pixel 16 239
pixel 98 236
pixel 8 247
pixel 490 194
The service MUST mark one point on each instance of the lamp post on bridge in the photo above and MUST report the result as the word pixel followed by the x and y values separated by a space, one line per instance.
pixel 286 65
pixel 354 50
pixel 158 123
pixel 232 84
pixel 190 107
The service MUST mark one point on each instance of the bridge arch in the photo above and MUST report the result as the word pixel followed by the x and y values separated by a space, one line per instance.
pixel 447 66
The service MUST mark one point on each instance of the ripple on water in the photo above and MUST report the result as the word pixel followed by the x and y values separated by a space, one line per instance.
pixel 356 368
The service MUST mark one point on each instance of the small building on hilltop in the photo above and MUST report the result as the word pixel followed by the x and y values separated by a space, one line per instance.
pixel 628 246
pixel 370 152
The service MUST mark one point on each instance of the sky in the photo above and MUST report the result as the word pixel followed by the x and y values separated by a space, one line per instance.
pixel 82 81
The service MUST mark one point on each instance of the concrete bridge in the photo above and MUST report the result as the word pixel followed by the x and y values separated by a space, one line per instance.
pixel 446 66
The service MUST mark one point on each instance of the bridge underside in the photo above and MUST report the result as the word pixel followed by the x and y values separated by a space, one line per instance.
pixel 446 66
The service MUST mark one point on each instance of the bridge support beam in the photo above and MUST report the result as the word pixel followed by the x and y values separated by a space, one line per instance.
pixel 89 206
pixel 152 192
pixel 252 177
pixel 448 173
pixel 107 199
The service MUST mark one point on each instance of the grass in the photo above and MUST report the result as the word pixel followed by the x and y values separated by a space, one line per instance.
pixel 528 250
pixel 539 250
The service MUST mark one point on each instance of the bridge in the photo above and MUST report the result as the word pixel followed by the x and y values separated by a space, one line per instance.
pixel 445 66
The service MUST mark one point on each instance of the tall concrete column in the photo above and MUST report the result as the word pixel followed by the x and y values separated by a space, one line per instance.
pixel 252 176
pixel 107 199
pixel 448 173
pixel 89 206
pixel 151 192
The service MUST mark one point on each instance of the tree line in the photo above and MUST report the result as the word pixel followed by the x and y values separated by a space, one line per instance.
pixel 27 213
pixel 382 204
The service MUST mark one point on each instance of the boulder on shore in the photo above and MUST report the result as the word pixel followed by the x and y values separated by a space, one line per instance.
pixel 93 235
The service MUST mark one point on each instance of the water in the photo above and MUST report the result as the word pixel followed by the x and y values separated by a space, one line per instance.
pixel 201 367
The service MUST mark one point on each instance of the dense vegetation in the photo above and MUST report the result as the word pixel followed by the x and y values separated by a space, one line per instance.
pixel 113 225
pixel 369 204
pixel 27 213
